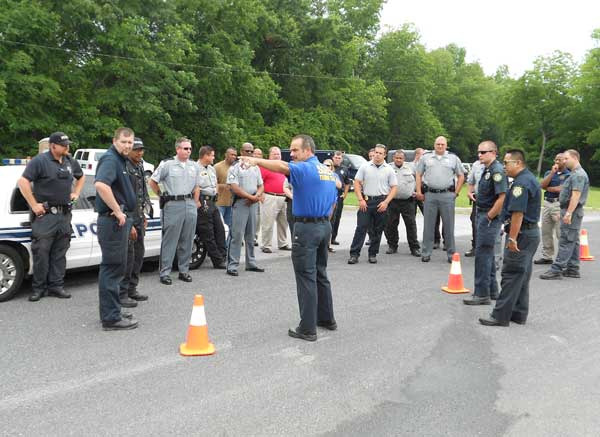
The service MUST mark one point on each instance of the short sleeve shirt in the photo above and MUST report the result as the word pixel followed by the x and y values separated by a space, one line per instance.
pixel 405 177
pixel 314 188
pixel 557 180
pixel 52 180
pixel 208 180
pixel 524 196
pixel 247 178
pixel 577 181
pixel 178 177
pixel 342 173
pixel 111 170
pixel 475 174
pixel 376 180
pixel 439 170
pixel 493 182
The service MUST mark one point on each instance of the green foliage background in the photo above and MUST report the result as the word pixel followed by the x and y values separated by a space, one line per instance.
pixel 225 72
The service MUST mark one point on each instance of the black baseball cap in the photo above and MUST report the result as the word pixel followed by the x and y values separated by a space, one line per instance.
pixel 137 143
pixel 59 138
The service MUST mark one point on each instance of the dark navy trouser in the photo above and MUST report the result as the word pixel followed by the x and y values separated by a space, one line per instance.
pixel 485 265
pixel 370 221
pixel 309 256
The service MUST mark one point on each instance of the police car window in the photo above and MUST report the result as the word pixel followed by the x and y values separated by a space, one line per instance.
pixel 18 202
pixel 85 155
pixel 87 195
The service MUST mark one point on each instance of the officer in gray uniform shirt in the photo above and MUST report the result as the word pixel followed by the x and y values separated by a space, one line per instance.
pixel 403 204
pixel 246 184
pixel 209 227
pixel 439 180
pixel 179 201
pixel 573 196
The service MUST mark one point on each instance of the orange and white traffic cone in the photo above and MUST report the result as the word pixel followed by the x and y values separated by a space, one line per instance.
pixel 197 342
pixel 455 280
pixel 584 248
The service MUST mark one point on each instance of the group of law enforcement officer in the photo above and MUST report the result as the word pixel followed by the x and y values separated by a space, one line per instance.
pixel 47 186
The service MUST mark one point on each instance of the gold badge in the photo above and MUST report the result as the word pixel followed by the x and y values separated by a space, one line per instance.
pixel 497 177
pixel 517 191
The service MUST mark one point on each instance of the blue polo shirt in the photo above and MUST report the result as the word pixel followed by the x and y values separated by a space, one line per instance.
pixel 524 196
pixel 557 180
pixel 111 170
pixel 314 188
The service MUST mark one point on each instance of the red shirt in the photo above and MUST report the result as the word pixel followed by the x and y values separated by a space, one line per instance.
pixel 272 182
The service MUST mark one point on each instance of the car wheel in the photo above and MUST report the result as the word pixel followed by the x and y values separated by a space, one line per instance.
pixel 198 253
pixel 12 272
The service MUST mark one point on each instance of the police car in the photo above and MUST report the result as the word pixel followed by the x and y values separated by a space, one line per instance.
pixel 15 232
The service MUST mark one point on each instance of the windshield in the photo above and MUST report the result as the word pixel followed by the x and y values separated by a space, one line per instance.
pixel 355 160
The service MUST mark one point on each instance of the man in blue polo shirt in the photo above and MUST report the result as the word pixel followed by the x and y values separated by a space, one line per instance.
pixel 315 194
pixel 115 198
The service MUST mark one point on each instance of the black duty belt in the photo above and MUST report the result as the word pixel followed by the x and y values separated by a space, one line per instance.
pixel 436 191
pixel 207 197
pixel 552 200
pixel 275 194
pixel 178 197
pixel 58 209
pixel 374 197
pixel 310 219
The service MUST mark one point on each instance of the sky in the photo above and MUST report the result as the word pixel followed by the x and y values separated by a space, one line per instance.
pixel 507 32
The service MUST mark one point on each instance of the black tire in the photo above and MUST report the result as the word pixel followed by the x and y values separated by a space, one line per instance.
pixel 198 254
pixel 12 271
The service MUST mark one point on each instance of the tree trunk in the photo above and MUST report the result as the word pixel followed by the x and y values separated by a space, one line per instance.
pixel 539 166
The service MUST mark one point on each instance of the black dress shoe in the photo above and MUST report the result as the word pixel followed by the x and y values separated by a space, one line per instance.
pixel 285 248
pixel 415 252
pixel 255 243
pixel 331 249
pixel 477 300
pixel 61 294
pixel 166 280
pixel 219 263
pixel 36 296
pixel 266 250
pixel 425 259
pixel 185 277
pixel 335 243
pixel 391 250
pixel 551 274
pixel 571 274
pixel 368 243
pixel 126 315
pixel 255 269
pixel 436 245
pixel 304 336
pixel 128 303
pixel 137 296
pixel 373 259
pixel 121 325
pixel 232 273
pixel 518 321
pixel 353 260
pixel 331 325
pixel 470 253
pixel 542 261
pixel 490 321
pixel 449 259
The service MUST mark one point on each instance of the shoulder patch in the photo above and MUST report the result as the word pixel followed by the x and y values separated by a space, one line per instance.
pixel 497 177
pixel 231 176
pixel 517 191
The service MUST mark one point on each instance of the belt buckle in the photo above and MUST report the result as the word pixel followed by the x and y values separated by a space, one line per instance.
pixel 53 210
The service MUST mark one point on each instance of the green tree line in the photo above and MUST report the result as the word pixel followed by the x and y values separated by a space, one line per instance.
pixel 227 71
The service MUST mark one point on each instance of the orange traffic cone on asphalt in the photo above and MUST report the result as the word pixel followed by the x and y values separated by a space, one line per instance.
pixel 584 247
pixel 197 342
pixel 455 279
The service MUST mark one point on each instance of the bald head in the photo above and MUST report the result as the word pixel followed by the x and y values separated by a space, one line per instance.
pixel 440 145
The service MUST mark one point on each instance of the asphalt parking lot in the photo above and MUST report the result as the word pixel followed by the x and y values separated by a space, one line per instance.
pixel 407 358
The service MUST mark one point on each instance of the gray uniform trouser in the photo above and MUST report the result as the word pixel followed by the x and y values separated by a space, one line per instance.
pixel 50 240
pixel 243 228
pixel 567 257
pixel 444 203
pixel 178 219
pixel 550 228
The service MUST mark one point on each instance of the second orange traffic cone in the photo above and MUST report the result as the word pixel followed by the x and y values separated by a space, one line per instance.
pixel 456 284
pixel 197 342
pixel 584 247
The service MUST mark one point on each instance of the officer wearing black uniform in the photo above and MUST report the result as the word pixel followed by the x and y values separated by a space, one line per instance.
pixel 51 174
pixel 115 199
pixel 209 225
pixel 521 213
pixel 342 173
pixel 490 197
pixel 135 251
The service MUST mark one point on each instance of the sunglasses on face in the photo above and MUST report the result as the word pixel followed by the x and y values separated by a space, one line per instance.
pixel 483 152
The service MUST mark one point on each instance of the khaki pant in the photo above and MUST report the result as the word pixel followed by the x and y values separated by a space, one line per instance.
pixel 550 228
pixel 273 210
